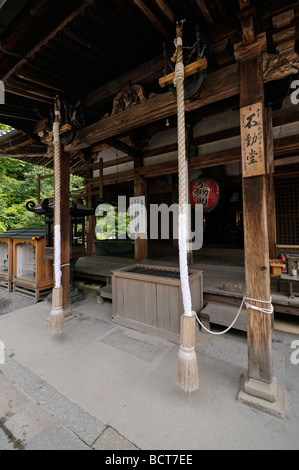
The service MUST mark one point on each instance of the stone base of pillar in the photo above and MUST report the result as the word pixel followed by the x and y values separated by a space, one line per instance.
pixel 268 398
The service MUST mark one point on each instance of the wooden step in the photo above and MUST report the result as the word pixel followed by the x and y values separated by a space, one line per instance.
pixel 221 314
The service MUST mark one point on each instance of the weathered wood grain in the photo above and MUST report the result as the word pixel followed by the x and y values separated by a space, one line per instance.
pixel 257 273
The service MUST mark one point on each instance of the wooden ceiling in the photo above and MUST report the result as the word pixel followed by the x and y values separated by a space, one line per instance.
pixel 89 50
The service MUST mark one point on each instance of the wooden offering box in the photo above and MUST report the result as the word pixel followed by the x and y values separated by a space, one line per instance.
pixel 32 274
pixel 276 266
pixel 148 298
pixel 6 262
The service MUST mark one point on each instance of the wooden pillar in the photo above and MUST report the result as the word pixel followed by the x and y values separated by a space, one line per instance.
pixel 38 189
pixel 270 185
pixel 101 182
pixel 141 244
pixel 91 220
pixel 257 275
pixel 65 227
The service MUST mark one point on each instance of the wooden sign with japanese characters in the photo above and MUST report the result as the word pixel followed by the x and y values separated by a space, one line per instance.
pixel 252 140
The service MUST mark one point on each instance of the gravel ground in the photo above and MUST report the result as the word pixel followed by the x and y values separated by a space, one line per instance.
pixel 10 301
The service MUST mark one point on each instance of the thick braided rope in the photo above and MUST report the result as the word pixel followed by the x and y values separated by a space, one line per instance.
pixel 57 211
pixel 182 166
pixel 179 83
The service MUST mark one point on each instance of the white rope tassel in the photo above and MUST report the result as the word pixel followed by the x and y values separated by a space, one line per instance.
pixel 187 372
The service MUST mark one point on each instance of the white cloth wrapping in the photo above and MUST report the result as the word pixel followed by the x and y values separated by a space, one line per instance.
pixel 57 256
pixel 186 294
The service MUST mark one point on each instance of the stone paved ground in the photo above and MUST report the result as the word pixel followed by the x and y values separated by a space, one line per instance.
pixel 103 386
pixel 5 442
pixel 11 302
pixel 34 416
pixel 43 419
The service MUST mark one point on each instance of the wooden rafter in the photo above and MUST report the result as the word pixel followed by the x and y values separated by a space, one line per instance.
pixel 205 12
pixel 34 96
pixel 46 40
pixel 142 74
pixel 165 8
pixel 153 19
pixel 222 9
pixel 31 78
pixel 16 115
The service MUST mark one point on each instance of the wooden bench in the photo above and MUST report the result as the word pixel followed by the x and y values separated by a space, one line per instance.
pixel 290 279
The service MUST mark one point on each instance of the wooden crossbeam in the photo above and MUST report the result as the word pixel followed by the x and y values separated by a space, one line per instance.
pixel 242 51
pixel 119 145
pixel 190 69
pixel 218 86
pixel 63 129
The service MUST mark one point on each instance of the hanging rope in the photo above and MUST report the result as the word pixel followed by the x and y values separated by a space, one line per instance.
pixel 57 321
pixel 182 168
pixel 187 372
pixel 57 211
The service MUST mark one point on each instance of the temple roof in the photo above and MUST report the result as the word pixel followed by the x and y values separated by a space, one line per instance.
pixel 24 233
pixel 77 208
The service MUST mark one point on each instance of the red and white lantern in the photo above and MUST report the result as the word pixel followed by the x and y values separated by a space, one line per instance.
pixel 205 191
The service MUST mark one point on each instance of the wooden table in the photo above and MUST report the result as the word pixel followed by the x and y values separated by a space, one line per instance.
pixel 290 279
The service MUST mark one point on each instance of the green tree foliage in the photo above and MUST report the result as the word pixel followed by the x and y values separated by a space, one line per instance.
pixel 112 224
pixel 18 185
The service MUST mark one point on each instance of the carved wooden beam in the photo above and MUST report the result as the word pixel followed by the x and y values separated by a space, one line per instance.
pixel 125 99
pixel 278 66
pixel 217 86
